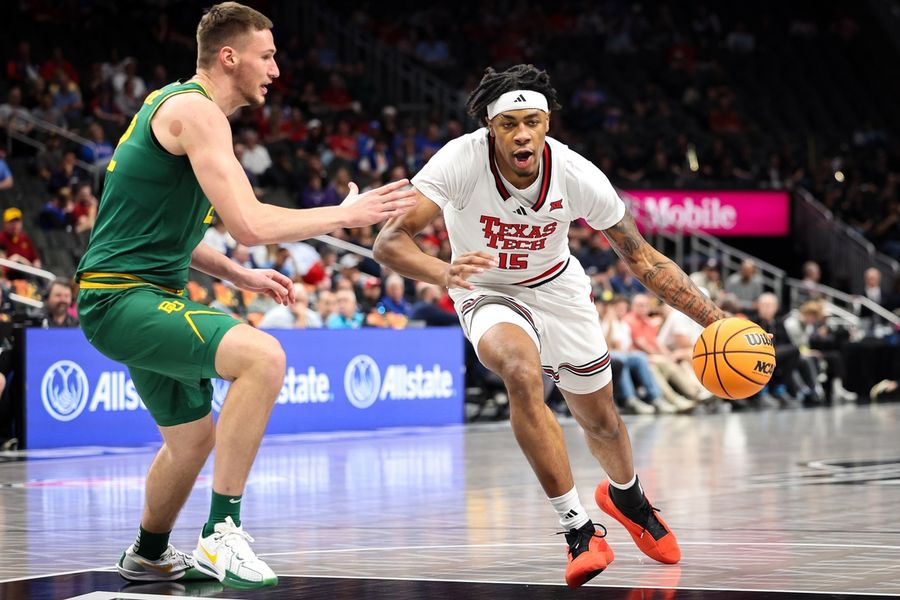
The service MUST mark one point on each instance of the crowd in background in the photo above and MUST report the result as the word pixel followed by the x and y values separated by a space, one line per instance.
pixel 655 97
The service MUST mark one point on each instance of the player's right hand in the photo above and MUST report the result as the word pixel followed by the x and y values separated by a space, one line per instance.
pixel 466 265
pixel 384 202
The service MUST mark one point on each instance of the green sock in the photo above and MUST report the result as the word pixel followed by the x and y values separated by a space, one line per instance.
pixel 151 545
pixel 222 506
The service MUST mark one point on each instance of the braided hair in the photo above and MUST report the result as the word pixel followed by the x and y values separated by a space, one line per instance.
pixel 520 77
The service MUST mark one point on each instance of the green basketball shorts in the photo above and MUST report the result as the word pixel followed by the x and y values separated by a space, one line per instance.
pixel 167 342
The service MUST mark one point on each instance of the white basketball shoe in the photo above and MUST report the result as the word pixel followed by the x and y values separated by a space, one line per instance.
pixel 226 555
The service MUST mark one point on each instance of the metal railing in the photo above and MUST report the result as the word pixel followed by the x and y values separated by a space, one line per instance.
pixel 96 171
pixel 700 247
pixel 834 243
pixel 29 270
pixel 801 291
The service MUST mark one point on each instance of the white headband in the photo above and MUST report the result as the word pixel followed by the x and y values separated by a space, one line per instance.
pixel 517 100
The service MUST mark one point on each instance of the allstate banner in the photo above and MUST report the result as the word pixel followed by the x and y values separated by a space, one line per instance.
pixel 335 380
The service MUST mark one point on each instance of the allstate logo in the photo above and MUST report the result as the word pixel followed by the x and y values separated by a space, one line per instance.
pixel 64 390
pixel 362 381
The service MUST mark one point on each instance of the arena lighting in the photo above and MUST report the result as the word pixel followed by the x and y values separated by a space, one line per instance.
pixel 693 163
pixel 839 176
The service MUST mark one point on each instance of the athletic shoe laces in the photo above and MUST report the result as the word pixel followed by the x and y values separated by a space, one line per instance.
pixel 233 536
pixel 649 522
pixel 579 540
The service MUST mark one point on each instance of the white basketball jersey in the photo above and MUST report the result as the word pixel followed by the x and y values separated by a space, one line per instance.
pixel 528 236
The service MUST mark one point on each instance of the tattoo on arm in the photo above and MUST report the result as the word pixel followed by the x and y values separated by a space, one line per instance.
pixel 660 274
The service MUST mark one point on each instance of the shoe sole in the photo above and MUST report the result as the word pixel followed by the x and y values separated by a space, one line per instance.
pixel 147 575
pixel 227 578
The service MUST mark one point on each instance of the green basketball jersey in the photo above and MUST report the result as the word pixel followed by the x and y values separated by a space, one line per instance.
pixel 152 212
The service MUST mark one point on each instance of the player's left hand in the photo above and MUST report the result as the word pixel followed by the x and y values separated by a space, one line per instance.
pixel 269 282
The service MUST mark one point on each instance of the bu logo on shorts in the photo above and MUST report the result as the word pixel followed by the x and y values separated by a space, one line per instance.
pixel 170 306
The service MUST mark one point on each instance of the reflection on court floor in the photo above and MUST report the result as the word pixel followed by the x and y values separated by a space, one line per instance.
pixel 772 503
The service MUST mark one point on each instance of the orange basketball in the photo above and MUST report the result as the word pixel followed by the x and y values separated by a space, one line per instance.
pixel 734 358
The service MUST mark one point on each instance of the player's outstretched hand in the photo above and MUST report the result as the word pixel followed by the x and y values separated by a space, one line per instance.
pixel 273 284
pixel 385 202
pixel 466 265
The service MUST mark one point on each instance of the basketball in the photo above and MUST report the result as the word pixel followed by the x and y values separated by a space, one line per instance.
pixel 734 358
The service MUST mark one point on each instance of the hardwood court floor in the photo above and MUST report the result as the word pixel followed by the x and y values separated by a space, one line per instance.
pixel 780 504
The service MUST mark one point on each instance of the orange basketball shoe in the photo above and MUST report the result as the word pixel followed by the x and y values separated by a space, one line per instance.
pixel 647 528
pixel 589 554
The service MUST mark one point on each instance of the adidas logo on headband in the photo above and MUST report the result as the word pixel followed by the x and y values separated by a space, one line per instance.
pixel 517 100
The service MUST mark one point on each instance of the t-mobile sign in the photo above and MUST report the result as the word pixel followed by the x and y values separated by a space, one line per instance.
pixel 722 213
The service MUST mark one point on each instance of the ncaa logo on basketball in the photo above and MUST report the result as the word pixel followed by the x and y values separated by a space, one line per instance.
pixel 64 390
pixel 362 381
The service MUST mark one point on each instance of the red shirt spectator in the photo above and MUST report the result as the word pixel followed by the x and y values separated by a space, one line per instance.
pixel 58 62
pixel 15 242
pixel 343 142
pixel 644 327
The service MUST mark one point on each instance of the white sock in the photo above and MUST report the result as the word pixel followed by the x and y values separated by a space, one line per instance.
pixel 572 514
pixel 624 486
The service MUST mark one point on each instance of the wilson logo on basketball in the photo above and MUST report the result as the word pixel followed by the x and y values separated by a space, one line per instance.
pixel 757 339
pixel 764 367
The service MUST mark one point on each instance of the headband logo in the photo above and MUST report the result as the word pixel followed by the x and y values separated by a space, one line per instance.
pixel 521 98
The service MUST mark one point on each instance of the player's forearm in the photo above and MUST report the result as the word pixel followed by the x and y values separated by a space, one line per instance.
pixel 673 286
pixel 659 274
pixel 273 224
pixel 208 260
pixel 396 249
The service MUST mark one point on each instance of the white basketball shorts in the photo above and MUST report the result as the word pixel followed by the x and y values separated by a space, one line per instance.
pixel 560 318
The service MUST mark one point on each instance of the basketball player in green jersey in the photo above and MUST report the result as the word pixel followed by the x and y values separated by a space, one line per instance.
pixel 174 168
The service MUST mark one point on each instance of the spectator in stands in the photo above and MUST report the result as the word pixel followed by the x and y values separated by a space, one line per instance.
pixel 57 305
pixel 256 158
pixel 218 237
pixel 624 283
pixel 635 367
pixel 84 213
pixel 746 285
pixel 127 101
pixel 15 242
pixel 393 300
pixel 371 296
pixel 49 158
pixel 709 278
pixel 58 63
pixel 428 311
pixel 812 276
pixel 298 316
pixel 644 330
pixel 20 69
pixel 67 97
pixel 127 73
pixel 809 331
pixel 347 315
pixel 676 336
pixel 872 285
pixel 597 257
pixel 47 111
pixel 326 304
pixel 100 150
pixel 795 374
pixel 105 109
pixel 57 212
pixel 66 174
pixel 6 176
pixel 13 114
pixel 343 143
pixel 336 98
pixel 285 264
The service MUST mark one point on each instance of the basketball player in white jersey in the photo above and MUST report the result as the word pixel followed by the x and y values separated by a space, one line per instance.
pixel 508 193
